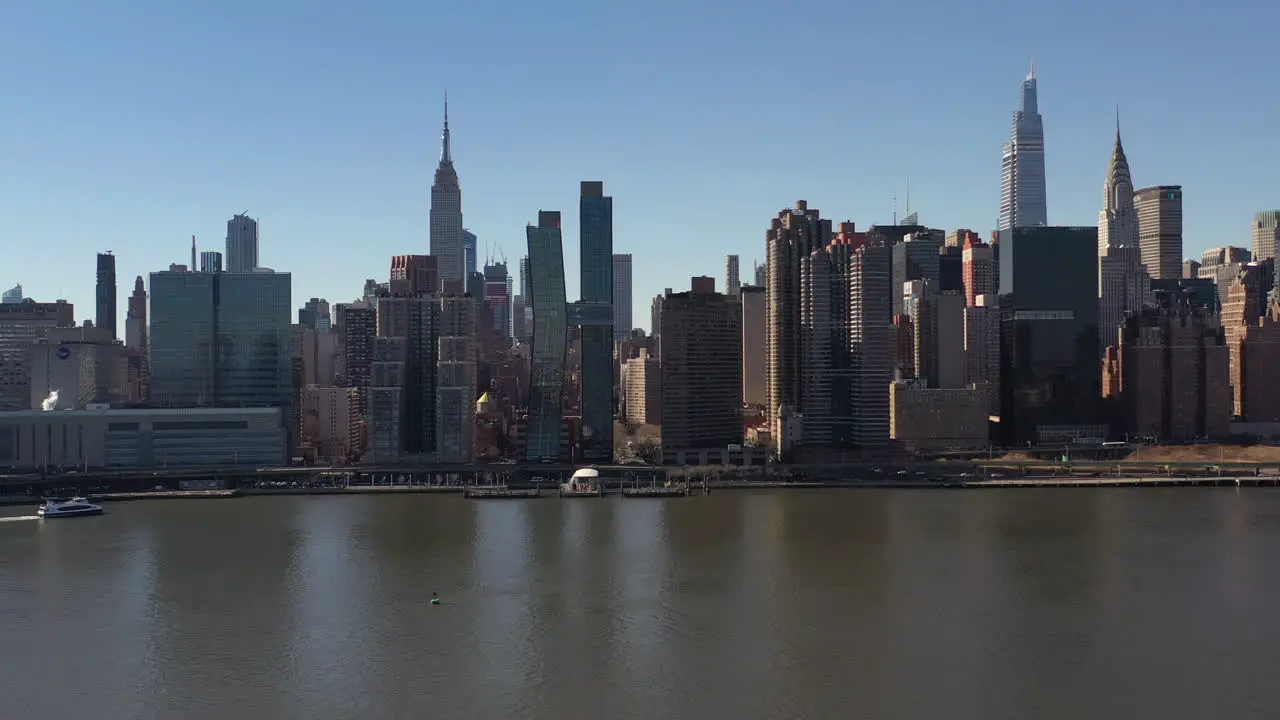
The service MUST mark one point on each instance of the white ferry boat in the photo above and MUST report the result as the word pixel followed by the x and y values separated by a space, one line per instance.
pixel 68 508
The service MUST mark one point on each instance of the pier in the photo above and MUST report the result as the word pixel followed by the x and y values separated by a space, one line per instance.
pixel 162 495
pixel 501 492
pixel 656 491
pixel 1100 482
pixel 581 492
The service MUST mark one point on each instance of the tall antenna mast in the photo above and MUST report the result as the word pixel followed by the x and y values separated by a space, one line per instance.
pixel 895 208
pixel 908 194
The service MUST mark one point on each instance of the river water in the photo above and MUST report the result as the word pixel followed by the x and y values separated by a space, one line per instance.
pixel 1108 603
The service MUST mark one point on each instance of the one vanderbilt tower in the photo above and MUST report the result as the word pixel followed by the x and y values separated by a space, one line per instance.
pixel 1022 188
pixel 446 212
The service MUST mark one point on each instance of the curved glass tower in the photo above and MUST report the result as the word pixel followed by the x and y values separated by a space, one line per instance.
pixel 1022 187
pixel 550 339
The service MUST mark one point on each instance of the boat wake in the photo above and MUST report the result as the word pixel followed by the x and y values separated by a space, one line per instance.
pixel 20 517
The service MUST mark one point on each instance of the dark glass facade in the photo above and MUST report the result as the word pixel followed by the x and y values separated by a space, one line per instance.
pixel 105 315
pixel 914 259
pixel 595 223
pixel 469 244
pixel 253 339
pixel 1202 291
pixel 951 269
pixel 182 338
pixel 221 339
pixel 550 338
pixel 497 299
pixel 475 285
pixel 1050 379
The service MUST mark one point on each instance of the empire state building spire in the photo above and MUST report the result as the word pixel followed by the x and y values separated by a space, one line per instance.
pixel 446 157
pixel 446 211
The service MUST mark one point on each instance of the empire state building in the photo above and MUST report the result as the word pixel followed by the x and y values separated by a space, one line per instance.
pixel 1022 187
pixel 446 212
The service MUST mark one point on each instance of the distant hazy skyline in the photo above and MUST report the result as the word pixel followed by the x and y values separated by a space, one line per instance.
pixel 132 127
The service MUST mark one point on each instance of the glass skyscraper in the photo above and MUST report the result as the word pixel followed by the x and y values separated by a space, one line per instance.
pixel 105 305
pixel 595 225
pixel 221 339
pixel 1050 380
pixel 242 245
pixel 497 297
pixel 622 302
pixel 550 338
pixel 915 258
pixel 469 242
pixel 1023 201
pixel 253 332
pixel 182 338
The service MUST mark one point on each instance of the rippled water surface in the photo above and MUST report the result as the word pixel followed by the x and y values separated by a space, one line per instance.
pixel 1118 603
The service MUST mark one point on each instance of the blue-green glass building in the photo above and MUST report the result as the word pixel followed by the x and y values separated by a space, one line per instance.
pixel 221 339
pixel 182 338
pixel 550 338
pixel 595 226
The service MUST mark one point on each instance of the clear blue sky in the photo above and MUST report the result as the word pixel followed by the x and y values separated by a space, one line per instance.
pixel 131 126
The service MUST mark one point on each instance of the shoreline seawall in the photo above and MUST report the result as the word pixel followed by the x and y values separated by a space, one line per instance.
pixel 715 485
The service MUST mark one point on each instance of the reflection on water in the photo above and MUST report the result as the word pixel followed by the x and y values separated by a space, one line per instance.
pixel 328 579
pixel 1000 604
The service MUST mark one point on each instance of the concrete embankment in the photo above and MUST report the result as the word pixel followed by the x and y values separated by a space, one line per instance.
pixel 120 497
pixel 523 490
pixel 1011 483
pixel 19 500
pixel 162 495
pixel 357 490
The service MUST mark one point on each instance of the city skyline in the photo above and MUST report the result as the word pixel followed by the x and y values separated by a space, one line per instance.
pixel 331 183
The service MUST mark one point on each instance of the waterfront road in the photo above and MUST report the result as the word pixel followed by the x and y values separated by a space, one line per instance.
pixel 986 468
pixel 715 485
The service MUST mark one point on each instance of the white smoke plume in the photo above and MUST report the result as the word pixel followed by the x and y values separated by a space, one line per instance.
pixel 50 402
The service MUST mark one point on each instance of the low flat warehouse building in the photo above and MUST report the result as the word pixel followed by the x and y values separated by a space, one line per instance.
pixel 938 419
pixel 119 439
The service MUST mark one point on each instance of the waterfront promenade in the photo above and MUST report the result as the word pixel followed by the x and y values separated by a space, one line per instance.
pixel 961 469
pixel 620 489
pixel 919 473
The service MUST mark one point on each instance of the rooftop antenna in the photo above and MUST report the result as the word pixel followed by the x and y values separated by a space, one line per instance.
pixel 895 208
pixel 193 254
pixel 908 195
